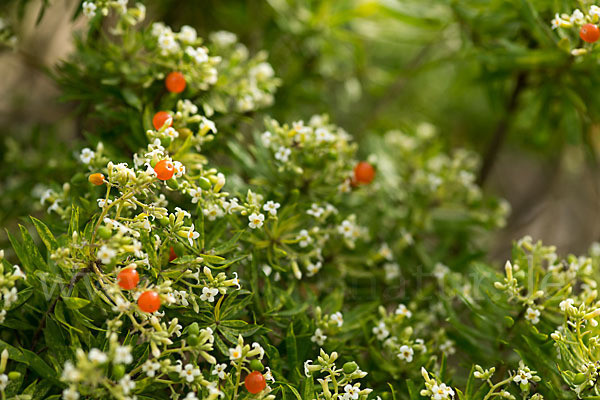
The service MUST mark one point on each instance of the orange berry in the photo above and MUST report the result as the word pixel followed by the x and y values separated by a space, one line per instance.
pixel 175 82
pixel 160 118
pixel 164 170
pixel 255 382
pixel 364 172
pixel 589 33
pixel 128 278
pixel 149 301
pixel 172 254
pixel 97 179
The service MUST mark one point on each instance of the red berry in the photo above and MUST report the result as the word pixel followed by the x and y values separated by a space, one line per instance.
pixel 589 33
pixel 149 301
pixel 175 82
pixel 160 118
pixel 164 170
pixel 172 254
pixel 364 172
pixel 128 278
pixel 255 382
pixel 97 179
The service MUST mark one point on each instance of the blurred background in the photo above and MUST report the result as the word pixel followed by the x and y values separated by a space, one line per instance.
pixel 488 74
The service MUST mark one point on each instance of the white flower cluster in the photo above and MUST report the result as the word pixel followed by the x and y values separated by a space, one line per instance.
pixel 326 324
pixel 340 380
pixel 8 290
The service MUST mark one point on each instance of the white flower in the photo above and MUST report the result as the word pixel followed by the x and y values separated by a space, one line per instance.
pixel 208 125
pixel 532 315
pixel 257 347
pixel 522 376
pixel 283 154
pixel 223 38
pixel 17 271
pixel 89 10
pixel 127 384
pixel 2 316
pixel 171 132
pixel 192 235
pixel 214 390
pixel 315 210
pixel 392 271
pixel 381 331
pixel 167 43
pixel 191 396
pixel 262 71
pixel 208 294
pixel 190 373
pixel 230 206
pixel 255 220
pixel 106 254
pixel 347 229
pixel 68 394
pixel 312 269
pixel 70 373
pixel 199 54
pixel 123 355
pixel 440 271
pixel 351 392
pixel 271 207
pixel 269 375
pixel 577 17
pixel 447 347
pixel 10 296
pixel 337 318
pixel 307 364
pixel 86 155
pixel 318 338
pixel 212 212
pixel 402 310
pixel 594 11
pixel 386 252
pixel 266 138
pixel 121 305
pixel 97 356
pixel 304 238
pixel 406 353
pixel 150 367
pixel 235 353
pixel 565 304
pixel 441 392
pixel 187 34
pixel 219 370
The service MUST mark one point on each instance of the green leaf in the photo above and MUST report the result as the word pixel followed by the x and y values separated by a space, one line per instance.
pixel 45 234
pixel 75 303
pixel 132 99
pixel 291 347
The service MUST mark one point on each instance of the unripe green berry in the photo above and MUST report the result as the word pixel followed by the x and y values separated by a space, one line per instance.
pixel 118 371
pixel 13 375
pixel 579 378
pixel 194 329
pixel 179 248
pixel 173 184
pixel 204 183
pixel 164 221
pixel 256 365
pixel 193 340
pixel 350 367
pixel 104 232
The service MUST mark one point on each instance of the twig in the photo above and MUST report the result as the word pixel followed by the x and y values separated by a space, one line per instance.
pixel 501 130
